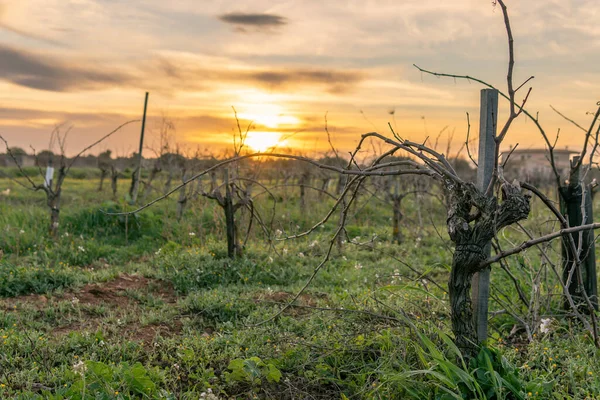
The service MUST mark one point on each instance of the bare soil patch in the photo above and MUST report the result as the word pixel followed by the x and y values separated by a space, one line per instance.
pixel 147 333
pixel 113 293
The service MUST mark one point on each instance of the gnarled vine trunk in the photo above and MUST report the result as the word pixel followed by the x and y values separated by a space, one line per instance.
pixel 465 261
pixel 473 220
pixel 54 204
pixel 114 180
pixel 397 218
pixel 103 174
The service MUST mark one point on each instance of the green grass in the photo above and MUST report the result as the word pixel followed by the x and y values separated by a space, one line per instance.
pixel 150 307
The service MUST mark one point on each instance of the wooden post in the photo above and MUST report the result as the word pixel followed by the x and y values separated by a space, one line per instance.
pixel 488 121
pixel 577 207
pixel 229 219
pixel 137 174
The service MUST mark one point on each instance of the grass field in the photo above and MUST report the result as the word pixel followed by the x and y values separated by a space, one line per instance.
pixel 150 307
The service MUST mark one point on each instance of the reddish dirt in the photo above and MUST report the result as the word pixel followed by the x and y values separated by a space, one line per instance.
pixel 112 293
pixel 38 301
pixel 147 333
pixel 115 292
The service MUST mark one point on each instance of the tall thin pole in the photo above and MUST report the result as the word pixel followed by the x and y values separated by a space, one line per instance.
pixel 488 118
pixel 138 171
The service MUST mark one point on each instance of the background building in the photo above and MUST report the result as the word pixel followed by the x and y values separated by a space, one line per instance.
pixel 533 165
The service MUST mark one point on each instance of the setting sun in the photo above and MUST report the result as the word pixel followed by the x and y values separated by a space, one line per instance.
pixel 268 115
pixel 263 141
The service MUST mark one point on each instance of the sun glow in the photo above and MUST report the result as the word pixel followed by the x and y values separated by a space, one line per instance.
pixel 263 141
pixel 269 119
pixel 263 110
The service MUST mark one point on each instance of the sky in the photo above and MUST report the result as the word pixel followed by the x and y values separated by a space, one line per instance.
pixel 288 68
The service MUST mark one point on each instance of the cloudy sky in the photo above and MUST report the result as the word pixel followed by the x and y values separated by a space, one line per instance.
pixel 284 65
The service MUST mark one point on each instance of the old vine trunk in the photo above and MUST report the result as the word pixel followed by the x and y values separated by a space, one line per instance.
pixel 473 220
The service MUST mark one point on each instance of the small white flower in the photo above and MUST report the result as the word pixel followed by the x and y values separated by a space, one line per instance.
pixel 545 325
pixel 66 234
pixel 192 234
pixel 79 367
pixel 21 231
pixel 358 265
pixel 81 249
pixel 344 258
pixel 278 232
pixel 285 250
pixel 313 244
pixel 157 252
pixel 301 255
pixel 74 300
pixel 270 259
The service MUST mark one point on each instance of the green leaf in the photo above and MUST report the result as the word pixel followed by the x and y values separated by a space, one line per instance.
pixel 273 374
pixel 100 370
pixel 252 369
pixel 237 371
pixel 137 378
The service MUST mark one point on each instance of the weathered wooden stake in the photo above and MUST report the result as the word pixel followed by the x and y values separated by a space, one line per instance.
pixel 230 219
pixel 137 174
pixel 488 121
pixel 577 207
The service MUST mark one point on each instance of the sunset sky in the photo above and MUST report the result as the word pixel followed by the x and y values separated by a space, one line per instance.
pixel 284 65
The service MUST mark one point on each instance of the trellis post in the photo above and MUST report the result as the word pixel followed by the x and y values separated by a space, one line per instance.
pixel 488 121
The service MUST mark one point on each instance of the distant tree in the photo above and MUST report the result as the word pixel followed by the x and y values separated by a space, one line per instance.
pixel 16 151
pixel 44 158
pixel 104 162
